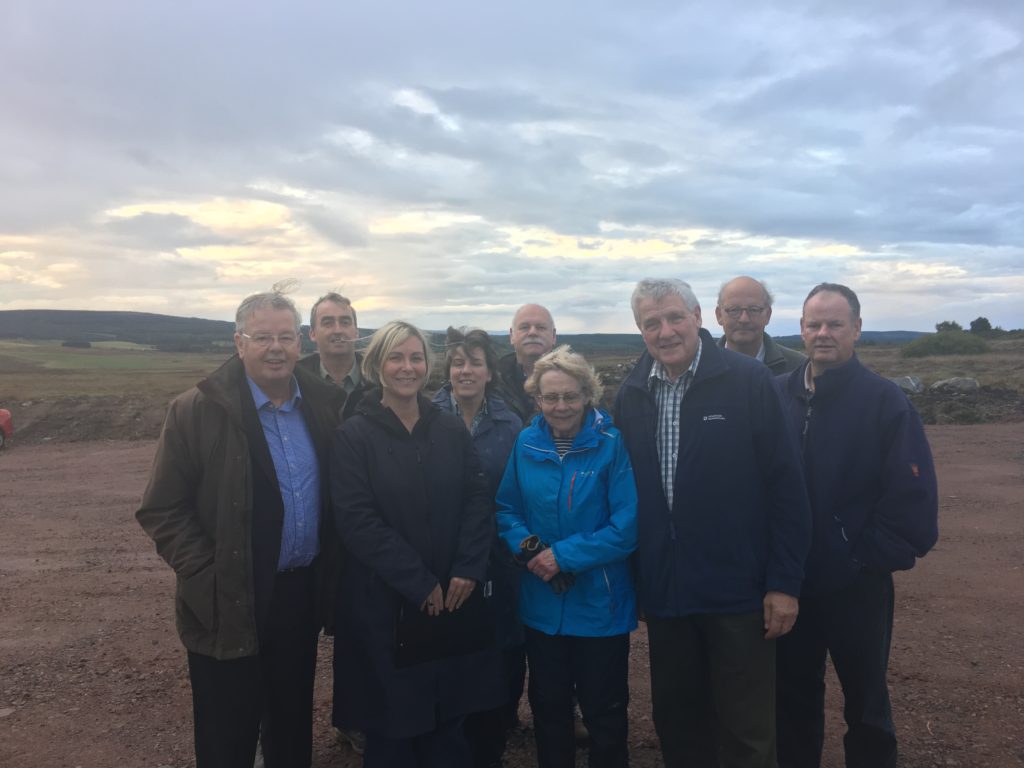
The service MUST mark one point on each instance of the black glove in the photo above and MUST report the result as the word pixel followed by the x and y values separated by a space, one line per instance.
pixel 532 546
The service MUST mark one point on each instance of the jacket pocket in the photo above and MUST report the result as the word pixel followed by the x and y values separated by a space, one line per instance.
pixel 198 596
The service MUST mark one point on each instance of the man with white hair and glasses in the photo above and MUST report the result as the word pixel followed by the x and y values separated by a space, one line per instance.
pixel 237 505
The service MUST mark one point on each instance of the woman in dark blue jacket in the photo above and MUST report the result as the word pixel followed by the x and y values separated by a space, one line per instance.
pixel 469 392
pixel 415 517
pixel 569 493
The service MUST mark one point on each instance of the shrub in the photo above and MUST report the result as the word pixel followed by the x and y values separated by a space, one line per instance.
pixel 945 343
pixel 981 325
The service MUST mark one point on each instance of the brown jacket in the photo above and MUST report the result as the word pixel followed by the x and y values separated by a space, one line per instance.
pixel 198 509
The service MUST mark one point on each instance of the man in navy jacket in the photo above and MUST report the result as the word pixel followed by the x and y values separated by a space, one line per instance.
pixel 723 531
pixel 873 494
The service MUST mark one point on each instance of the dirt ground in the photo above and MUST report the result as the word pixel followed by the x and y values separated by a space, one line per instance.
pixel 92 674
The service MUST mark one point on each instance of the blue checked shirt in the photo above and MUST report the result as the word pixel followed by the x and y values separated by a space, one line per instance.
pixel 298 475
pixel 668 396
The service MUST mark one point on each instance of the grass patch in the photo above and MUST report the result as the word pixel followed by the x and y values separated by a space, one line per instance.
pixel 946 343
pixel 45 370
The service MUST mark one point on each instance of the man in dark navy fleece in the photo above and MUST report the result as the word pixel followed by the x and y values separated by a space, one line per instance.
pixel 873 493
pixel 724 528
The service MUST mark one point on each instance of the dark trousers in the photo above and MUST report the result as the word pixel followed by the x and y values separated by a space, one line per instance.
pixel 597 668
pixel 443 747
pixel 487 732
pixel 854 626
pixel 713 690
pixel 234 702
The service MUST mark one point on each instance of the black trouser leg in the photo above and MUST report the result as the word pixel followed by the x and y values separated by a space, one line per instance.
pixel 601 675
pixel 854 624
pixel 288 661
pixel 550 693
pixel 226 705
pixel 742 675
pixel 800 690
pixel 443 747
pixel 859 638
pixel 487 731
pixel 713 690
pixel 683 715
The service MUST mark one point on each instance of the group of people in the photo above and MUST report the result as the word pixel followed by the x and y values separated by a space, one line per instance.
pixel 747 502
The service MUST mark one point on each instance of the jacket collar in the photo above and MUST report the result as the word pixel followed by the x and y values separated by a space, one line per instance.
pixel 497 410
pixel 222 385
pixel 372 408
pixel 830 384
pixel 595 424
pixel 713 362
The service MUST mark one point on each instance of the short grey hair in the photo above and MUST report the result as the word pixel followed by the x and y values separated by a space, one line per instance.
pixel 570 363
pixel 384 340
pixel 266 300
pixel 660 288
pixel 769 297
pixel 337 298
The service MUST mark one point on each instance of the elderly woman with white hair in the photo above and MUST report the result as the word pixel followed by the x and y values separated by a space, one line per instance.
pixel 414 643
pixel 567 509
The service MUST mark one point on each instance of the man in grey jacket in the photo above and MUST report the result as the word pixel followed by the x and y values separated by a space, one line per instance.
pixel 744 309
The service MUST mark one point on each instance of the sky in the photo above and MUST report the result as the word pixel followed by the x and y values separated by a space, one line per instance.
pixel 446 162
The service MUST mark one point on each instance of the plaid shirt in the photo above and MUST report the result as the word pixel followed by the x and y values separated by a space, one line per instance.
pixel 668 396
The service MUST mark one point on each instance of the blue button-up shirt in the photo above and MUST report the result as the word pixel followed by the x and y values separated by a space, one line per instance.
pixel 298 475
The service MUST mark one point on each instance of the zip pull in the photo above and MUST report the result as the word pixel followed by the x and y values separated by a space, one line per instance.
pixel 807 427
pixel 572 484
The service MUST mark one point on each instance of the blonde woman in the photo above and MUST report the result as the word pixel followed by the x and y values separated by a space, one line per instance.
pixel 415 518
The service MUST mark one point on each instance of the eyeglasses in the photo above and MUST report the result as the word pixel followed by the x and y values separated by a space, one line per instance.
pixel 735 312
pixel 552 398
pixel 266 339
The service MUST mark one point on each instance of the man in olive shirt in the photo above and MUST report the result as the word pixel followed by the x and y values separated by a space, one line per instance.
pixel 333 328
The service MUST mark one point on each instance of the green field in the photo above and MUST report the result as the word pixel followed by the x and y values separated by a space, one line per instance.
pixel 34 370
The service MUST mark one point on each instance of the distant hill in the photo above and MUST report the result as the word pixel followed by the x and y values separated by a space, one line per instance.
pixel 164 332
pixel 170 333
pixel 867 338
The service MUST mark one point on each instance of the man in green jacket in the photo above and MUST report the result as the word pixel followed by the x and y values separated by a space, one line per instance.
pixel 237 505
pixel 744 309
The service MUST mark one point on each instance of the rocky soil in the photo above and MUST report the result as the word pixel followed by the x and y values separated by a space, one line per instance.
pixel 91 673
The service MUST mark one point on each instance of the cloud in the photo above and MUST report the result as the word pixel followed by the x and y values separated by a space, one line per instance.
pixel 446 163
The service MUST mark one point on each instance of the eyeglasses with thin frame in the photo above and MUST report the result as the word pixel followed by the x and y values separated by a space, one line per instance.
pixel 266 339
pixel 552 398
pixel 736 312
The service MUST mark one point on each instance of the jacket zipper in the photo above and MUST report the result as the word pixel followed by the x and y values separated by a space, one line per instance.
pixel 608 586
pixel 807 427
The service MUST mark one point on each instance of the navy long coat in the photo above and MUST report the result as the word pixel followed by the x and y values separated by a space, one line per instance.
pixel 412 510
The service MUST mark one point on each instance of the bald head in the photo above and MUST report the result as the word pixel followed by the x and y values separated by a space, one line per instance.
pixel 532 334
pixel 744 309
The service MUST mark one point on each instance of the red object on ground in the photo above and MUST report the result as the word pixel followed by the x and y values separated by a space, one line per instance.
pixel 6 426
